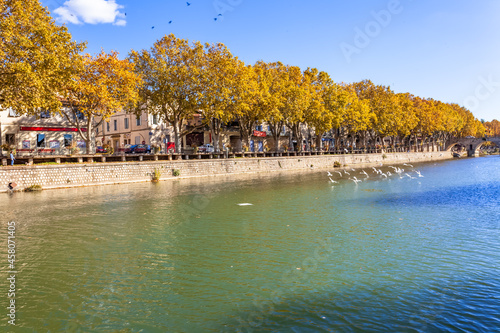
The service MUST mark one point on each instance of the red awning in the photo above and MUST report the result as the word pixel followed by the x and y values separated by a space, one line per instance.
pixel 51 129
pixel 259 134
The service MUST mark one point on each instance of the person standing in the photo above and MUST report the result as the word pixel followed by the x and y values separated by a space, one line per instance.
pixel 12 158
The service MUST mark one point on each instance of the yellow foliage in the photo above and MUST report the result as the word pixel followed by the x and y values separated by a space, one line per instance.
pixel 37 57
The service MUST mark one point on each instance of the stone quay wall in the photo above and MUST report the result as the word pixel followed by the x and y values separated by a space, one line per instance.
pixel 86 174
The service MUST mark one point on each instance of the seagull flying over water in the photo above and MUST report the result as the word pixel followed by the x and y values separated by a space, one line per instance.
pixel 340 173
pixel 418 173
pixel 347 173
pixel 333 181
pixel 411 166
pixel 355 180
pixel 329 174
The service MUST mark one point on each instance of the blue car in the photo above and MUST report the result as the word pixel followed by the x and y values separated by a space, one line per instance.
pixel 142 149
pixel 130 150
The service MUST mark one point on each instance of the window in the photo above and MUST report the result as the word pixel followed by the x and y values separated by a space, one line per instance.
pixel 10 139
pixel 107 127
pixel 79 115
pixel 138 121
pixel 40 140
pixel 258 128
pixel 45 114
pixel 137 140
pixel 12 113
pixel 115 125
pixel 126 123
pixel 155 119
pixel 68 140
pixel 97 130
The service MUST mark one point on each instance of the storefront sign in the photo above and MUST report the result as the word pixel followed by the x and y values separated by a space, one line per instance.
pixel 51 129
pixel 80 144
pixel 54 144
pixel 26 144
pixel 259 134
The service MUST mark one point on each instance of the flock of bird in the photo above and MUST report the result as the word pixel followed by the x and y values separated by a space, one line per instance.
pixel 188 4
pixel 397 171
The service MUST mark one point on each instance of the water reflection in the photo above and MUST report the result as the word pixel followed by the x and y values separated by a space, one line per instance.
pixel 182 256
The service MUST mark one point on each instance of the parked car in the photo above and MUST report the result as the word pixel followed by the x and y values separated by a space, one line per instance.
pixel 206 148
pixel 100 150
pixel 142 149
pixel 130 149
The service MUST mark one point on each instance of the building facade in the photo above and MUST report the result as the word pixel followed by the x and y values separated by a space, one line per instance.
pixel 44 133
pixel 124 129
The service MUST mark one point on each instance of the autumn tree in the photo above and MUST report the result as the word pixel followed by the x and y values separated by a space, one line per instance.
pixel 358 116
pixel 493 128
pixel 36 57
pixel 328 104
pixel 104 85
pixel 219 87
pixel 172 81
pixel 284 97
pixel 246 98
pixel 408 119
pixel 272 79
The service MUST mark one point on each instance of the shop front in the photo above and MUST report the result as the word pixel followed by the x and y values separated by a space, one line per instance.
pixel 39 140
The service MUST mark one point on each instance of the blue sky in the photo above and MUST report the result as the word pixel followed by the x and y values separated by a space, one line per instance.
pixel 443 49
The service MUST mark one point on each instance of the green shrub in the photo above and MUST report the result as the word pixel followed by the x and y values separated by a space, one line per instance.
pixel 176 172
pixel 155 176
pixel 33 188
pixel 336 164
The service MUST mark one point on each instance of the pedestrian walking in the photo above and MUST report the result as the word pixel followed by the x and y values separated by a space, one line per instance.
pixel 12 158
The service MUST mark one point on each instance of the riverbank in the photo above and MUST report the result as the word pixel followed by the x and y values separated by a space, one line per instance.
pixel 91 174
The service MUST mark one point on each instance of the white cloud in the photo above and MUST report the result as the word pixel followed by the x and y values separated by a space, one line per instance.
pixel 91 11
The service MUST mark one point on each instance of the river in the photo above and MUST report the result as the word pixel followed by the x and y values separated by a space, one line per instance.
pixel 397 254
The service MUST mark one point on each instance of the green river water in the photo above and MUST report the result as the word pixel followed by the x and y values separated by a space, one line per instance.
pixel 393 254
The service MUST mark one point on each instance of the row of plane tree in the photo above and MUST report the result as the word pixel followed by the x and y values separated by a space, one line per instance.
pixel 44 69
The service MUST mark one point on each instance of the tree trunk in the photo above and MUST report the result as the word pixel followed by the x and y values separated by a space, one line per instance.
pixel 319 142
pixel 276 138
pixel 88 138
pixel 215 126
pixel 245 133
pixel 177 140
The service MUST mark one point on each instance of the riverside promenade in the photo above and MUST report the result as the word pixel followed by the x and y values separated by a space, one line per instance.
pixel 92 172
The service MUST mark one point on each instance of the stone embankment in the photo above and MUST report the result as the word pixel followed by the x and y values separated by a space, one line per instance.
pixel 87 174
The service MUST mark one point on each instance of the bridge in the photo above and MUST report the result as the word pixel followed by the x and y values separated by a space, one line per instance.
pixel 472 145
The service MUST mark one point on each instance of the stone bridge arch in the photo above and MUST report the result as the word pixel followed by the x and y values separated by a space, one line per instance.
pixel 472 145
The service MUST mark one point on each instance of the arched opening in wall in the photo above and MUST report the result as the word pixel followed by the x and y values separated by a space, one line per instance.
pixel 487 148
pixel 456 148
